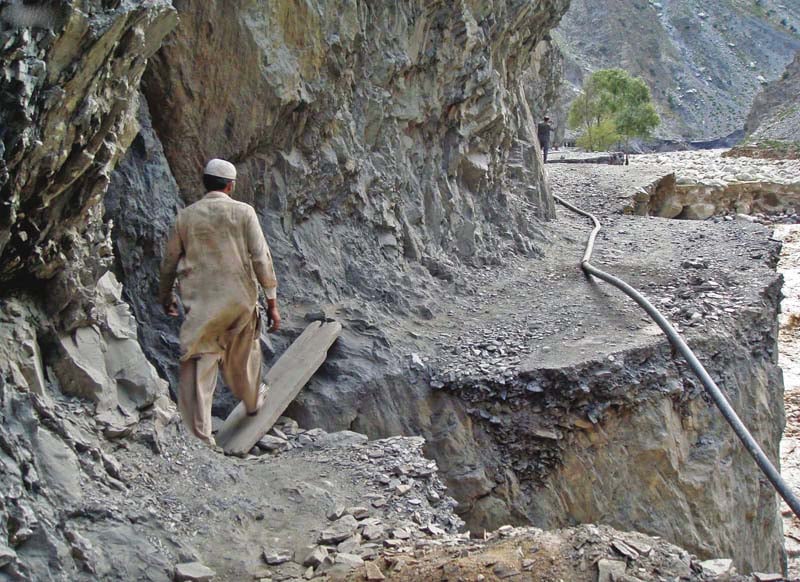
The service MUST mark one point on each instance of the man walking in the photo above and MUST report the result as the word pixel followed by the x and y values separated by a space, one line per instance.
pixel 543 131
pixel 218 253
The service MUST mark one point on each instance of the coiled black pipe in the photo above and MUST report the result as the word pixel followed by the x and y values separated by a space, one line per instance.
pixel 678 342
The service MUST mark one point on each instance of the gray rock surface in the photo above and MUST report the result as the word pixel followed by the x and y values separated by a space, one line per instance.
pixel 775 109
pixel 105 363
pixel 389 150
pixel 775 114
pixel 142 201
pixel 55 470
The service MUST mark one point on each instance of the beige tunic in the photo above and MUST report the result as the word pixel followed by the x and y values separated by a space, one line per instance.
pixel 219 255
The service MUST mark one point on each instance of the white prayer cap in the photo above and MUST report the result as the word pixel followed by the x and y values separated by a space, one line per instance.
pixel 220 169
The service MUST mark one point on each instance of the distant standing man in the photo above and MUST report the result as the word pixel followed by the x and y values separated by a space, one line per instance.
pixel 218 253
pixel 543 131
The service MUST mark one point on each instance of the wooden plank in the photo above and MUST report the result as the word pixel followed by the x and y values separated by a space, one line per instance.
pixel 286 378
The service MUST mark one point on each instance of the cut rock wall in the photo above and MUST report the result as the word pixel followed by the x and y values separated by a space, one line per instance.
pixel 360 127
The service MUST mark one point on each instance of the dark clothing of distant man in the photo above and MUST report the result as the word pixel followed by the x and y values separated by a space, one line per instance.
pixel 543 131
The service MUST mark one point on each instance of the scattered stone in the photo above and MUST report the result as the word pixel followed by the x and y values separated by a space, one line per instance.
pixel 373 573
pixel 349 560
pixel 610 570
pixel 339 531
pixel 642 548
pixel 337 512
pixel 401 534
pixel 314 556
pixel 345 438
pixel 625 549
pixel 271 443
pixel 503 571
pixel 357 512
pixel 433 530
pixel 193 572
pixel 402 489
pixel 721 569
pixel 373 532
pixel 767 577
pixel 349 545
pixel 379 502
pixel 273 557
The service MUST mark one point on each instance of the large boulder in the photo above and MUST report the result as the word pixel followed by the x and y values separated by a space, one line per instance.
pixel 104 362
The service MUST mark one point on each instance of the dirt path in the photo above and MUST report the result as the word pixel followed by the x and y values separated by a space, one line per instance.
pixel 790 362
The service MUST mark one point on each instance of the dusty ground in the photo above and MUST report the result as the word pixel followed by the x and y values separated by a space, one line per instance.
pixel 666 259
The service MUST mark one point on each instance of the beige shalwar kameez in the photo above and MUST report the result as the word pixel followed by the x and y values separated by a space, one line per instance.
pixel 219 255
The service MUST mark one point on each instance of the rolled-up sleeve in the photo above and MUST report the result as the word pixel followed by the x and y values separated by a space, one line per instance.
pixel 260 256
pixel 169 265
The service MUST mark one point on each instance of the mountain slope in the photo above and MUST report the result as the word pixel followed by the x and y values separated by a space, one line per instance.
pixel 704 62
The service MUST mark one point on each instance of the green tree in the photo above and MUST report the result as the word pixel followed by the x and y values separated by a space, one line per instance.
pixel 612 106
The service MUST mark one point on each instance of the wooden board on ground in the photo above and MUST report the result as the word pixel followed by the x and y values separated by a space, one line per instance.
pixel 286 378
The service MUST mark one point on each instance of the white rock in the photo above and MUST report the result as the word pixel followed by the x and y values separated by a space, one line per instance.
pixel 194 572
pixel 721 569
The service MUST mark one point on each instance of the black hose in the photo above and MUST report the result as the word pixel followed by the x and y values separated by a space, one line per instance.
pixel 678 342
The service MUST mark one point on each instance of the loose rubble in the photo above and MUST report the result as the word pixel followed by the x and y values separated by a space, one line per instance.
pixel 707 185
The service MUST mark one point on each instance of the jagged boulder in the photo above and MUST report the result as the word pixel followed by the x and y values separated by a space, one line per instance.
pixel 104 362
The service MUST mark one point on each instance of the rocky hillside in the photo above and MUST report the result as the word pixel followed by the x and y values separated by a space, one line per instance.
pixel 704 62
pixel 773 126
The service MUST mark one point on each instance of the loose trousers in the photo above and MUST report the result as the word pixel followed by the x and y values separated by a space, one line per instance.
pixel 241 371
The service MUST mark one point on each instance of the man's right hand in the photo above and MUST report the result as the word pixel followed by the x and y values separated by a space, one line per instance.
pixel 273 316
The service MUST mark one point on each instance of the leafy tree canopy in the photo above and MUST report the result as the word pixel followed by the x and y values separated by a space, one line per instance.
pixel 612 106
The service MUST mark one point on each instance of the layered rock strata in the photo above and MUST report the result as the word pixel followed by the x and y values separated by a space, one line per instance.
pixel 70 79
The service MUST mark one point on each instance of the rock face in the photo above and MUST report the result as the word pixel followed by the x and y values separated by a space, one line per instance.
pixel 775 114
pixel 773 126
pixel 142 201
pixel 382 144
pixel 70 80
pixel 704 63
